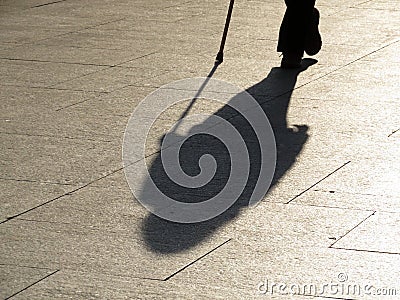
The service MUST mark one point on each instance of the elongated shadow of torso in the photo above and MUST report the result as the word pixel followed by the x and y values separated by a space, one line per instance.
pixel 273 94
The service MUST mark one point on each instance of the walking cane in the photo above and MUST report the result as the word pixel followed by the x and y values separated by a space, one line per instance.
pixel 220 56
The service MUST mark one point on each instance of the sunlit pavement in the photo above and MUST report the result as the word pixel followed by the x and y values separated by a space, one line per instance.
pixel 73 71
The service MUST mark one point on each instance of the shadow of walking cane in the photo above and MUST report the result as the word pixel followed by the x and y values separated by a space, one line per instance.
pixel 218 60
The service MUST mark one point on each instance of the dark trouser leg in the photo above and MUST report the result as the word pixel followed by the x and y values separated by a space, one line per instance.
pixel 294 26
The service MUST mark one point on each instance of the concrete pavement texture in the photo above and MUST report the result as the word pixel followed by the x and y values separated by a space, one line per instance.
pixel 73 71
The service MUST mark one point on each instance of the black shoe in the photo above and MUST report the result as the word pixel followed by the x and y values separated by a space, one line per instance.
pixel 291 60
pixel 313 41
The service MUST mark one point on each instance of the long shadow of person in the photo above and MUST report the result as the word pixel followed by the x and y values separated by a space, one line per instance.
pixel 273 94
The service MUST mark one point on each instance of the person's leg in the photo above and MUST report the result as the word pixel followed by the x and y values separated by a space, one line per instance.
pixel 313 41
pixel 293 31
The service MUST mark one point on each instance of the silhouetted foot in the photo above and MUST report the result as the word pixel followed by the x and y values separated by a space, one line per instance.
pixel 313 41
pixel 291 60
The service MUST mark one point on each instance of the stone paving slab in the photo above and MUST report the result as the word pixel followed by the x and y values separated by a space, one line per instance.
pixel 19 103
pixel 379 85
pixel 347 199
pixel 380 233
pixel 388 54
pixel 108 80
pixel 71 55
pixel 100 39
pixel 69 124
pixel 22 195
pixel 116 262
pixel 248 267
pixel 41 74
pixel 173 62
pixel 379 4
pixel 378 178
pixel 114 252
pixel 80 285
pixel 18 35
pixel 17 278
pixel 37 158
pixel 42 20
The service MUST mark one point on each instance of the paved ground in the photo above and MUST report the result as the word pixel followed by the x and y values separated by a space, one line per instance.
pixel 73 71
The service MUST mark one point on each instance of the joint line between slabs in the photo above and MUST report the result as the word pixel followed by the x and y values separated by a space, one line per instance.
pixel 26 267
pixel 176 5
pixel 60 197
pixel 54 89
pixel 66 89
pixel 367 251
pixel 363 3
pixel 45 4
pixel 347 64
pixel 109 67
pixel 133 59
pixel 318 182
pixel 71 32
pixel 31 285
pixel 75 104
pixel 79 77
pixel 327 297
pixel 198 259
pixel 393 133
pixel 53 62
pixel 337 207
pixel 57 137
pixel 359 224
pixel 35 181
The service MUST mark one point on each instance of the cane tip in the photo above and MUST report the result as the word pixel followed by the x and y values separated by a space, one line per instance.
pixel 219 59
